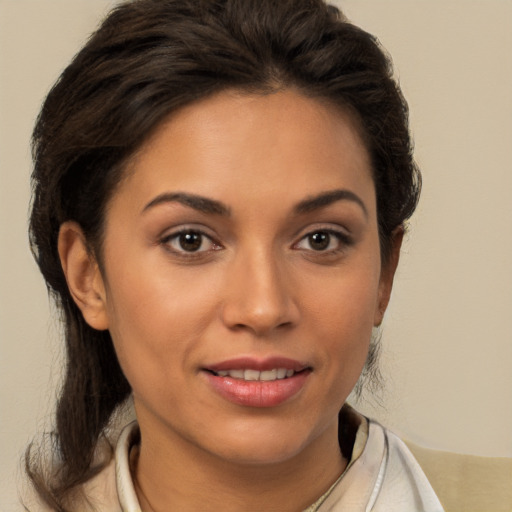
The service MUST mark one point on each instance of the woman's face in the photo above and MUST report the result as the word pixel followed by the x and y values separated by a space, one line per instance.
pixel 242 274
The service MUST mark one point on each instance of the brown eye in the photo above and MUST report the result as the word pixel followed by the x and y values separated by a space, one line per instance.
pixel 319 241
pixel 191 241
pixel 328 241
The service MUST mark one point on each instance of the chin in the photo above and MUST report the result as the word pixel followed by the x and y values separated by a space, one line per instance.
pixel 267 444
pixel 264 453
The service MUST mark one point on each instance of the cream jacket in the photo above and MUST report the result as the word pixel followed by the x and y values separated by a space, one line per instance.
pixel 382 476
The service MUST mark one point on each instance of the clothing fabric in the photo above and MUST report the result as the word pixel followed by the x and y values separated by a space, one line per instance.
pixel 381 476
pixel 384 478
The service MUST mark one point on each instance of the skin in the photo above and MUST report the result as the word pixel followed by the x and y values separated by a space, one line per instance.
pixel 257 286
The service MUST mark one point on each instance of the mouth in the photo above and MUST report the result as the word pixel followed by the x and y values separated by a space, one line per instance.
pixel 258 383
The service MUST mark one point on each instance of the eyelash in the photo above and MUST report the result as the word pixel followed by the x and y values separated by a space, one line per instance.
pixel 344 241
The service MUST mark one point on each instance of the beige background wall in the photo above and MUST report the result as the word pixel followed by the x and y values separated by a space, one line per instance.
pixel 447 339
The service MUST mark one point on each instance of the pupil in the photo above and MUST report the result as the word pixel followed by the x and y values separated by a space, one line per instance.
pixel 319 241
pixel 190 241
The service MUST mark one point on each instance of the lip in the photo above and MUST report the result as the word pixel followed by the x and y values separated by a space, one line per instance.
pixel 259 394
pixel 251 363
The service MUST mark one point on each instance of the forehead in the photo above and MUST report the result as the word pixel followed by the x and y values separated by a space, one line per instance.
pixel 233 145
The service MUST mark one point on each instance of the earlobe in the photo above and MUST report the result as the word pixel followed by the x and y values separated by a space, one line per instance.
pixel 387 275
pixel 83 275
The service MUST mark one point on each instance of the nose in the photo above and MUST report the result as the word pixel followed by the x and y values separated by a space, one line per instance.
pixel 258 295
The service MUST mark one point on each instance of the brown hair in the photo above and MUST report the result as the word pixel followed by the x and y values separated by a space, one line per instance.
pixel 148 59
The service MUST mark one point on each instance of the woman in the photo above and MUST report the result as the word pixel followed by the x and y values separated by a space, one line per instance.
pixel 220 191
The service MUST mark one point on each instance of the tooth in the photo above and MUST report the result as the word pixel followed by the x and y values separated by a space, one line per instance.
pixel 251 375
pixel 268 375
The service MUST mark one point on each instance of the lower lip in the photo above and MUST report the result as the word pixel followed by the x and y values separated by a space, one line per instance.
pixel 258 393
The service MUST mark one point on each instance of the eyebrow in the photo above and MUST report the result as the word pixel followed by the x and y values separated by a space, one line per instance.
pixel 211 206
pixel 325 199
pixel 199 203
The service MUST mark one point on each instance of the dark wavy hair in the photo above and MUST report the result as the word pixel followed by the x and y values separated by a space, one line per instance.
pixel 148 59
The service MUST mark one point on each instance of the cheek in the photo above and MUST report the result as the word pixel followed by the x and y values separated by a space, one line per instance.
pixel 342 316
pixel 345 301
pixel 156 318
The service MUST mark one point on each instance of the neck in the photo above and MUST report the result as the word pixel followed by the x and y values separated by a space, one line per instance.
pixel 172 473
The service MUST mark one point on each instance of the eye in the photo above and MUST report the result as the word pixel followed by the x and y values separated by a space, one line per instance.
pixel 190 241
pixel 323 240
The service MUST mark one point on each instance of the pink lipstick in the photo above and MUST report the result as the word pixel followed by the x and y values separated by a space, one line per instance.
pixel 257 382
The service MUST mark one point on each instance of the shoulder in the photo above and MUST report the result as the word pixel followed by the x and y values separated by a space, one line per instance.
pixel 112 489
pixel 101 491
pixel 401 481
pixel 98 494
pixel 382 476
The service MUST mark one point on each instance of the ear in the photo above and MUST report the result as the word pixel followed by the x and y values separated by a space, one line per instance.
pixel 387 275
pixel 83 275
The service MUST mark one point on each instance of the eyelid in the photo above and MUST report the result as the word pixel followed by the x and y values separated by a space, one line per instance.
pixel 336 229
pixel 179 228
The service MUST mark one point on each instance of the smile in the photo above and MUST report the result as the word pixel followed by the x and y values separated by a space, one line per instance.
pixel 253 382
pixel 254 375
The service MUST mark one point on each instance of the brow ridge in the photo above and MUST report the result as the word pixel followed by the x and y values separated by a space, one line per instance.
pixel 197 202
pixel 327 198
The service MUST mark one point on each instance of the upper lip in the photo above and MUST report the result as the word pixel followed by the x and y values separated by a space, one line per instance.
pixel 252 363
